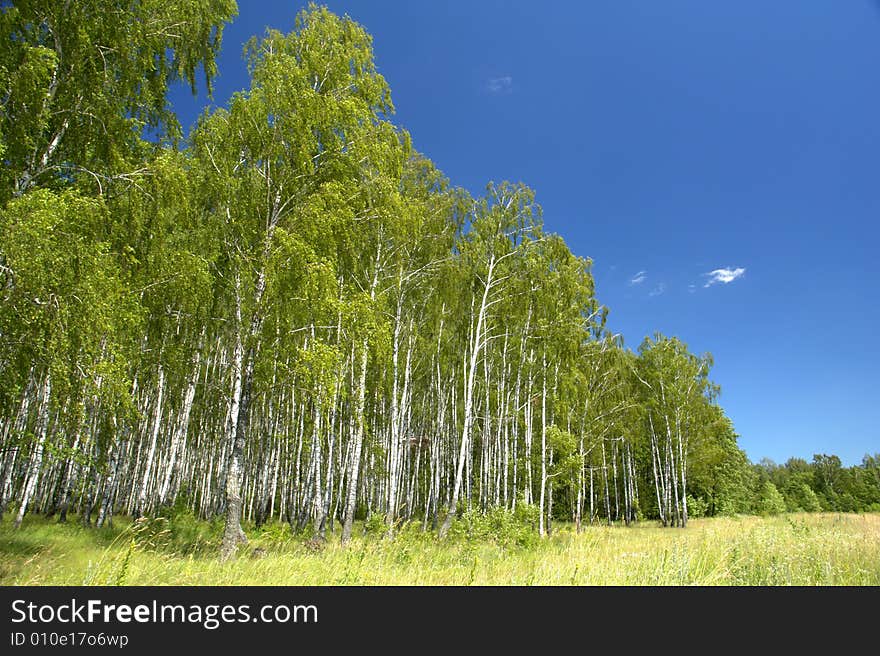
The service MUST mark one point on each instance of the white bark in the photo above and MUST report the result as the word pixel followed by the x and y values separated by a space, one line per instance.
pixel 476 346
pixel 36 460
pixel 154 438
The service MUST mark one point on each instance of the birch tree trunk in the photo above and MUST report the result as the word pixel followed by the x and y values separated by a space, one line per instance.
pixel 394 437
pixel 178 440
pixel 541 531
pixel 154 437
pixel 358 427
pixel 475 349
pixel 232 534
pixel 36 460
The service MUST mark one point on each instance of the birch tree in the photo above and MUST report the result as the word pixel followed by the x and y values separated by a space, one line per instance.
pixel 312 116
pixel 81 80
pixel 502 225
pixel 677 388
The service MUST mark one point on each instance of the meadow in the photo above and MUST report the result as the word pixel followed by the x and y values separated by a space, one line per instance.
pixel 794 549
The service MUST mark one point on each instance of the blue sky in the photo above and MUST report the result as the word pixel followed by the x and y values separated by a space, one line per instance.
pixel 667 140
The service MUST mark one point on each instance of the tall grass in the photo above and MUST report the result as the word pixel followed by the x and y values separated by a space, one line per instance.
pixel 824 549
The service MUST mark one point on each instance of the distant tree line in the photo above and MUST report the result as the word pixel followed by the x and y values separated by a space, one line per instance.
pixel 821 485
pixel 292 315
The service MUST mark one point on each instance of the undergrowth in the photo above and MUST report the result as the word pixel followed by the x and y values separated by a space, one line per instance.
pixel 497 548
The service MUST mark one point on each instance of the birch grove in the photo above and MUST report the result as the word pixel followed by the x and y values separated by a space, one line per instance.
pixel 295 317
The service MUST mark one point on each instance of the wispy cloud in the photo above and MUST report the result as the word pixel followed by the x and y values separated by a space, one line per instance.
pixel 639 278
pixel 659 289
pixel 723 275
pixel 500 85
pixel 692 289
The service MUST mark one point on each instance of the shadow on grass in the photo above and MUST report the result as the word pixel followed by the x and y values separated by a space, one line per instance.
pixel 39 533
pixel 21 546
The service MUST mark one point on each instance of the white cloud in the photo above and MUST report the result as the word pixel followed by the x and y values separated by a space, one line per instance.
pixel 499 85
pixel 692 289
pixel 659 289
pixel 639 278
pixel 723 275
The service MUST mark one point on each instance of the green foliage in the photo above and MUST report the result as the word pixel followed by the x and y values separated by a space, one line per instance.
pixel 697 506
pixel 375 525
pixel 720 471
pixel 770 501
pixel 801 498
pixel 501 526
pixel 65 308
pixel 80 80
pixel 824 484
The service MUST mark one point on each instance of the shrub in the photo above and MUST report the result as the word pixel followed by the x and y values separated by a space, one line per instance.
pixel 375 524
pixel 808 499
pixel 504 527
pixel 771 501
pixel 697 507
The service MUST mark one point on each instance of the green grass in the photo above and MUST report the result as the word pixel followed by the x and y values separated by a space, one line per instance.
pixel 821 549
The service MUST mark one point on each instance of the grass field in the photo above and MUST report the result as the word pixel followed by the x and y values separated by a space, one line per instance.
pixel 820 549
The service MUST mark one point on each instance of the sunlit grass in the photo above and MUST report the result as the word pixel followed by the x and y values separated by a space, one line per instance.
pixel 824 549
